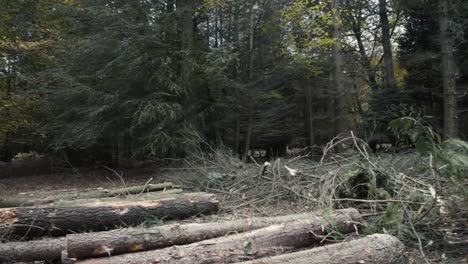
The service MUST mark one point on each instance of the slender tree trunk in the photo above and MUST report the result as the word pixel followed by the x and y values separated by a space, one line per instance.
pixel 250 106
pixel 248 136
pixel 365 60
pixel 251 44
pixel 237 136
pixel 448 71
pixel 387 46
pixel 340 96
pixel 216 29
pixel 188 9
pixel 309 113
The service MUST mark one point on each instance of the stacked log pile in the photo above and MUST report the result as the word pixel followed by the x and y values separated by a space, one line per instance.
pixel 89 230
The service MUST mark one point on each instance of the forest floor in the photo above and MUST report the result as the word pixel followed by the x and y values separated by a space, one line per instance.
pixel 293 185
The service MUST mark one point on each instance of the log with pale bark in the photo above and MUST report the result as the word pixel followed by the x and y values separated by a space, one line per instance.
pixel 137 197
pixel 264 242
pixel 27 222
pixel 377 248
pixel 116 242
pixel 21 201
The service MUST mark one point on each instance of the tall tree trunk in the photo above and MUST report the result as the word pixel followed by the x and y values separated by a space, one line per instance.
pixel 251 43
pixel 250 106
pixel 365 61
pixel 248 136
pixel 187 38
pixel 340 96
pixel 387 46
pixel 448 71
pixel 309 113
pixel 237 137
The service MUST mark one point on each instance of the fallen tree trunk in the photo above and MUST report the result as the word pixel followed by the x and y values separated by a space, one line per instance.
pixel 171 193
pixel 19 201
pixel 56 221
pixel 87 245
pixel 253 244
pixel 377 248
pixel 46 249
pixel 116 242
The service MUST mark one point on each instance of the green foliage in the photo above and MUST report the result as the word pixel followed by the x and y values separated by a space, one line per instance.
pixel 119 87
pixel 422 136
pixel 363 184
pixel 333 231
pixel 307 25
pixel 393 222
pixel 451 154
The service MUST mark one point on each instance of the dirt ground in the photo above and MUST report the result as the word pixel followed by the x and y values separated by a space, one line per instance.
pixel 74 181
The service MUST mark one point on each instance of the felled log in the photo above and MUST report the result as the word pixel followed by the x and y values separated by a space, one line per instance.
pixel 20 201
pixel 137 197
pixel 101 244
pixel 377 248
pixel 57 221
pixel 46 249
pixel 84 245
pixel 258 243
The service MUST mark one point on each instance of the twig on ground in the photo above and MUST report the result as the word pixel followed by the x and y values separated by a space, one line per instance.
pixel 118 175
pixel 146 185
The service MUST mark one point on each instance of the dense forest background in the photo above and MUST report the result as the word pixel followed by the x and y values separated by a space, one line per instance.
pixel 119 80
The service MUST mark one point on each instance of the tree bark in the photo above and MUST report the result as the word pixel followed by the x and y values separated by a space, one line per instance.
pixel 377 248
pixel 448 72
pixel 187 38
pixel 18 201
pixel 387 46
pixel 237 137
pixel 250 106
pixel 308 91
pixel 340 96
pixel 57 221
pixel 117 242
pixel 46 249
pixel 100 244
pixel 365 61
pixel 171 193
pixel 254 244
pixel 248 136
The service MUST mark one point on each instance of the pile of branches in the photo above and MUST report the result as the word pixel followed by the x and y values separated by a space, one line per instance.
pixel 402 192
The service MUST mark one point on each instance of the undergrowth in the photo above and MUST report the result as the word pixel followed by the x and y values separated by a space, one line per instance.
pixel 419 196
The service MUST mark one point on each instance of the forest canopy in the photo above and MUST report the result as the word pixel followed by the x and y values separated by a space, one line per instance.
pixel 143 79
